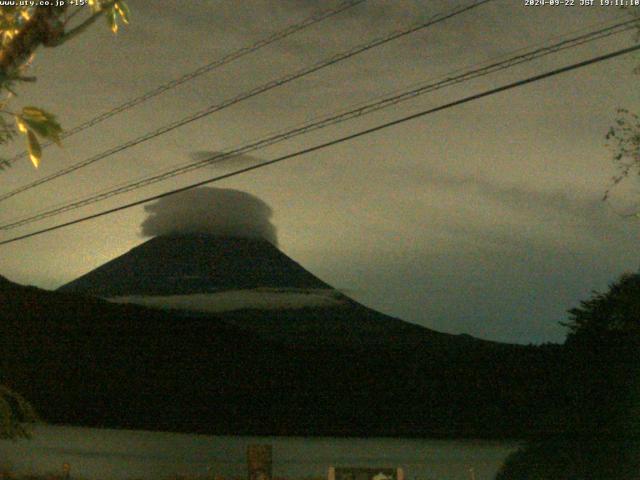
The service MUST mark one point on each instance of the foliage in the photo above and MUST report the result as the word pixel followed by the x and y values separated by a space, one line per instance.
pixel 15 411
pixel 624 140
pixel 22 30
pixel 613 313
pixel 600 372
pixel 573 459
pixel 603 360
pixel 624 137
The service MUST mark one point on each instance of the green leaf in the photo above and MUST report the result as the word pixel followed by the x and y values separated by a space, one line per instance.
pixel 45 129
pixel 35 151
pixel 123 9
pixel 111 16
pixel 35 112
pixel 22 127
pixel 41 122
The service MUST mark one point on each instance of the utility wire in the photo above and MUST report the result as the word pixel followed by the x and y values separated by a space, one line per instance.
pixel 330 120
pixel 235 55
pixel 509 56
pixel 337 141
pixel 246 95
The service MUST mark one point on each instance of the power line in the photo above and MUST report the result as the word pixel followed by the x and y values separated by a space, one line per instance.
pixel 337 141
pixel 332 120
pixel 246 95
pixel 235 55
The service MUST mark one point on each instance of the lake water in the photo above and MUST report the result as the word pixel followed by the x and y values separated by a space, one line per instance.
pixel 121 454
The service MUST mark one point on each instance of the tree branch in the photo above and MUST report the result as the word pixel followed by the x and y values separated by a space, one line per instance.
pixel 83 26
pixel 43 28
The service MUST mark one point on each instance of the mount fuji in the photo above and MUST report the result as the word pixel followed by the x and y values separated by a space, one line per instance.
pixel 193 264
pixel 248 282
pixel 240 339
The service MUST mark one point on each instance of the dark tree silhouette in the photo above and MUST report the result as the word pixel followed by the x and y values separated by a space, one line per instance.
pixel 601 386
pixel 573 459
pixel 613 315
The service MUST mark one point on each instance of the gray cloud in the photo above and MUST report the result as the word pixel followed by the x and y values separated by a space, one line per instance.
pixel 216 211
pixel 509 210
pixel 235 161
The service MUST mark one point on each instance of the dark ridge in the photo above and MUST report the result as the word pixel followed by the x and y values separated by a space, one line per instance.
pixel 350 325
pixel 84 361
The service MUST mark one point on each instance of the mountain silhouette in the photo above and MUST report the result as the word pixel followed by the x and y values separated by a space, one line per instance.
pixel 198 273
pixel 315 369
pixel 196 263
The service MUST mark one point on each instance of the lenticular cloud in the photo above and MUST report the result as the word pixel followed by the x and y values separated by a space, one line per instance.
pixel 215 211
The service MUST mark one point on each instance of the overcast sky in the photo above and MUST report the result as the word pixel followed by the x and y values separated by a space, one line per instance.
pixel 485 218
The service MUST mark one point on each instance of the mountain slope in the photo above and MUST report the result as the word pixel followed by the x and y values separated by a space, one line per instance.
pixel 188 264
pixel 85 361
pixel 250 283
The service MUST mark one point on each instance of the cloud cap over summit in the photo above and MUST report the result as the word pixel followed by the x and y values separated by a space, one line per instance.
pixel 221 212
